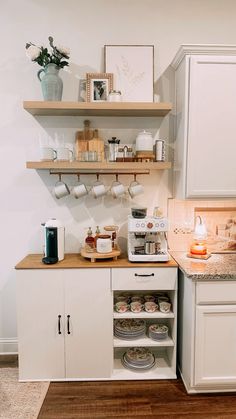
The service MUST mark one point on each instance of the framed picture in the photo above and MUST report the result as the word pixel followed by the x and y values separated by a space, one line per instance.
pixel 133 70
pixel 98 86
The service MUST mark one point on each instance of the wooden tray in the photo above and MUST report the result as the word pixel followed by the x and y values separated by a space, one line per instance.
pixel 204 257
pixel 94 255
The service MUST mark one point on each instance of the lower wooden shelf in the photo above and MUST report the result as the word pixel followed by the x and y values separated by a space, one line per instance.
pixel 97 166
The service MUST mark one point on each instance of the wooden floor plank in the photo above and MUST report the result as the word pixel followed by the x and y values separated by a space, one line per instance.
pixel 133 399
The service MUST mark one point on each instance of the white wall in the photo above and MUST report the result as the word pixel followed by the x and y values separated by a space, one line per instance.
pixel 85 27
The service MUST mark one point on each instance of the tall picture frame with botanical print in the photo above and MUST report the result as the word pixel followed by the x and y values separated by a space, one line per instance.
pixel 133 70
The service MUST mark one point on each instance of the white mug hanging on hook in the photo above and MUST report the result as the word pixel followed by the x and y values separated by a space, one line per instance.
pixel 98 189
pixel 135 188
pixel 61 189
pixel 117 188
pixel 80 189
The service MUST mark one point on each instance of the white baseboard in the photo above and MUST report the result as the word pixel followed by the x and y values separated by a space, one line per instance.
pixel 8 346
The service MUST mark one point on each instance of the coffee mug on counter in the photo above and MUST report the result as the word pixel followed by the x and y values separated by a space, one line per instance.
pixel 47 154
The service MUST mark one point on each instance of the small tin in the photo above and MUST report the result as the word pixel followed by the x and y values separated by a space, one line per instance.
pixel 160 150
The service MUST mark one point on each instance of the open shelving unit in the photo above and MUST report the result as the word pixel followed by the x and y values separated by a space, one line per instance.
pixel 104 109
pixel 163 350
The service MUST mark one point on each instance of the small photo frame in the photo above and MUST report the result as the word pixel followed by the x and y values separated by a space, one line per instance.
pixel 133 70
pixel 98 86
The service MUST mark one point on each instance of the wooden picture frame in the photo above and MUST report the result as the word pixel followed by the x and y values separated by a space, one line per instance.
pixel 98 86
pixel 133 70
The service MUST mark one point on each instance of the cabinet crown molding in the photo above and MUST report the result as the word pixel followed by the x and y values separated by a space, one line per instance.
pixel 201 49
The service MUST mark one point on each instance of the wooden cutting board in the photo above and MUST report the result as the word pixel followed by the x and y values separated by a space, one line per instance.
pixel 81 145
pixel 96 144
pixel 82 139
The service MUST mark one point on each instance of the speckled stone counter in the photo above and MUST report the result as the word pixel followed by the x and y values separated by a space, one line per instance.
pixel 217 267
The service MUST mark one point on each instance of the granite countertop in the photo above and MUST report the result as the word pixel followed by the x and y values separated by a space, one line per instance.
pixel 217 267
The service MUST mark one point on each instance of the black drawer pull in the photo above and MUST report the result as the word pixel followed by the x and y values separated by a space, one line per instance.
pixel 59 324
pixel 144 274
pixel 68 324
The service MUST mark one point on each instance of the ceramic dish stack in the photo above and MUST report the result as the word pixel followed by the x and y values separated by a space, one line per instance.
pixel 129 328
pixel 138 359
pixel 158 331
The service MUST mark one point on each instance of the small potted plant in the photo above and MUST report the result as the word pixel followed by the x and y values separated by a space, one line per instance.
pixel 51 62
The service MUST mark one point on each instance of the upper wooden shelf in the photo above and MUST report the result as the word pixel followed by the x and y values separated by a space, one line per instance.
pixel 97 109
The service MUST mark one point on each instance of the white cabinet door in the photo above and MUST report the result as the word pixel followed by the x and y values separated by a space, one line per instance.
pixel 89 333
pixel 40 300
pixel 211 143
pixel 215 345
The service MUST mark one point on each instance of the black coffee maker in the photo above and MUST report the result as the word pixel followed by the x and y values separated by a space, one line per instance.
pixel 54 240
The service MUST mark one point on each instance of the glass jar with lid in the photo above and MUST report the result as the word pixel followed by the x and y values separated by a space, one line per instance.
pixel 114 96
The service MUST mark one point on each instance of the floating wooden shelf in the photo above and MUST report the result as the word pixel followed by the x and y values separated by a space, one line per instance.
pixel 139 109
pixel 98 166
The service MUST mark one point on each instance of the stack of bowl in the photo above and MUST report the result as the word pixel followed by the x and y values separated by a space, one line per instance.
pixel 158 331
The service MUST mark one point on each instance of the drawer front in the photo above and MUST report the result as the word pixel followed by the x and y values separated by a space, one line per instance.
pixel 144 278
pixel 216 292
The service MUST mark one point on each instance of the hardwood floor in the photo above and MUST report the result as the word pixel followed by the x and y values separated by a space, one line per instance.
pixel 165 399
pixel 131 399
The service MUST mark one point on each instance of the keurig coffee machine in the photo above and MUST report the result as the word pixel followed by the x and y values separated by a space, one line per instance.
pixel 54 241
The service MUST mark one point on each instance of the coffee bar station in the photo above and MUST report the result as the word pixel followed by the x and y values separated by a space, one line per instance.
pixel 109 310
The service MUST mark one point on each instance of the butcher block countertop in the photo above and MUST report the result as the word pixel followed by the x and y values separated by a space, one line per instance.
pixel 217 267
pixel 75 260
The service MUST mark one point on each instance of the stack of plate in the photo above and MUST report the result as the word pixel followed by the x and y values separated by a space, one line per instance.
pixel 138 359
pixel 158 331
pixel 129 328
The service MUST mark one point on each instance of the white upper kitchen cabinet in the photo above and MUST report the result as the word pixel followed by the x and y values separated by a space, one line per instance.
pixel 205 143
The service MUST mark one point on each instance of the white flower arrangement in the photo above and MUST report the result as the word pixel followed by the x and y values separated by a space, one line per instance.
pixel 43 57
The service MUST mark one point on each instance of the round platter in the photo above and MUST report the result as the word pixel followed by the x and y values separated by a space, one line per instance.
pixel 95 255
pixel 135 367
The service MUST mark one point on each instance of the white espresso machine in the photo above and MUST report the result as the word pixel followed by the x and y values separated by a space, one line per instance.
pixel 147 239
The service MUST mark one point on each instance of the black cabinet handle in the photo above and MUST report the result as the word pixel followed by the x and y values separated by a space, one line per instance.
pixel 144 274
pixel 68 324
pixel 59 324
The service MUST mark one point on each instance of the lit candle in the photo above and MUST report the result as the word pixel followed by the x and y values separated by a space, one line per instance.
pixel 198 248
